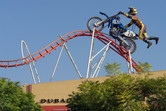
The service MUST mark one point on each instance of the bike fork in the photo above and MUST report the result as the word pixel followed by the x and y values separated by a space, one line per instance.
pixel 123 41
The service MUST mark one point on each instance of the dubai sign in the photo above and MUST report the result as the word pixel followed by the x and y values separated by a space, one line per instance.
pixel 42 101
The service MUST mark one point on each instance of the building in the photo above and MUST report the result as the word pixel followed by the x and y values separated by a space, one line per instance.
pixel 53 96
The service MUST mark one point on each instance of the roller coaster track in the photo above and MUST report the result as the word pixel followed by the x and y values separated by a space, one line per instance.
pixel 49 48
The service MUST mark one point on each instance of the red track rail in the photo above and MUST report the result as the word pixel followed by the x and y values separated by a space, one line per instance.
pixel 48 49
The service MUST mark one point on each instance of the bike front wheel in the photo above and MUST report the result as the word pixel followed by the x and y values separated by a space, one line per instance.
pixel 91 24
pixel 132 45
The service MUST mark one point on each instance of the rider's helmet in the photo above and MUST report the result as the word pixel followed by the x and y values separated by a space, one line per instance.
pixel 132 11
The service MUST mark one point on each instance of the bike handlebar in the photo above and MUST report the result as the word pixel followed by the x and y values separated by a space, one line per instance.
pixel 102 13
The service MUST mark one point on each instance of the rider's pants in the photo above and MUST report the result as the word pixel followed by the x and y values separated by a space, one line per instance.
pixel 142 32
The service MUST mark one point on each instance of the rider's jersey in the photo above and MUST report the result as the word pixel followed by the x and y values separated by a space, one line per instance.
pixel 135 20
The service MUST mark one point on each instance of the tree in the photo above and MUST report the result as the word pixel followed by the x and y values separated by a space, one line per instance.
pixel 113 69
pixel 121 92
pixel 144 67
pixel 114 94
pixel 151 90
pixel 12 97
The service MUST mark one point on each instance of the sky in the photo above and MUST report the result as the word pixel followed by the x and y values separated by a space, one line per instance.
pixel 40 22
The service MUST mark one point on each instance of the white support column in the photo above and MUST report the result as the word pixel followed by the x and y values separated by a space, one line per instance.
pixel 57 62
pixel 64 45
pixel 28 53
pixel 129 64
pixel 95 74
pixel 90 55
pixel 128 67
pixel 72 61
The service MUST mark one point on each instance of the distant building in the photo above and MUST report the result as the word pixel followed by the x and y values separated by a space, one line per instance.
pixel 53 96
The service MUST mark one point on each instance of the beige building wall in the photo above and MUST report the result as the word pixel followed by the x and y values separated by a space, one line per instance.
pixel 56 93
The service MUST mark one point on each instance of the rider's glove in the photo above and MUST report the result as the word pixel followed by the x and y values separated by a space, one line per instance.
pixel 121 12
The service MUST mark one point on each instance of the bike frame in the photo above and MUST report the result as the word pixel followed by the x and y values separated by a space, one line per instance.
pixel 111 21
pixel 102 22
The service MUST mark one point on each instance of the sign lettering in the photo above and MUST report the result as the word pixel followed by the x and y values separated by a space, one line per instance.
pixel 42 101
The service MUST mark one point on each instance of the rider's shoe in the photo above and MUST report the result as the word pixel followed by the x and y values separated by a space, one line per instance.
pixel 148 42
pixel 154 38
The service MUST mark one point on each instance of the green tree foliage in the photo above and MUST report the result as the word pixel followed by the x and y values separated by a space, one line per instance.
pixel 113 69
pixel 12 97
pixel 144 67
pixel 121 93
pixel 151 90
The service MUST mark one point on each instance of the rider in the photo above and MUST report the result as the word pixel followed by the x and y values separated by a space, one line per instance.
pixel 132 14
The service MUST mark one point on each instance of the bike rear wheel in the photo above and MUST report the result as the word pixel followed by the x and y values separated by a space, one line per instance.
pixel 132 45
pixel 91 23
